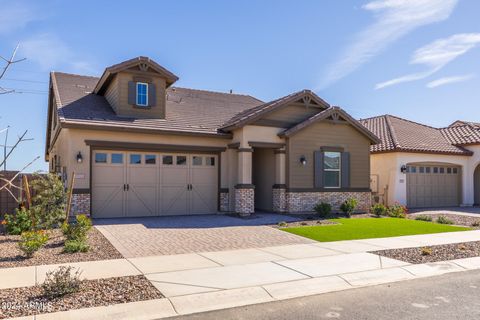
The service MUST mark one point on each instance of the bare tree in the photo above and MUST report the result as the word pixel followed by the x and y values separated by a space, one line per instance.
pixel 8 63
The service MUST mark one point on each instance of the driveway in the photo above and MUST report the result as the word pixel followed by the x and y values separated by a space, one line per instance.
pixel 138 237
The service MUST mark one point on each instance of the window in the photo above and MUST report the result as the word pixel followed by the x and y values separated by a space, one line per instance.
pixel 455 170
pixel 413 169
pixel 150 159
pixel 427 169
pixel 197 161
pixel 181 160
pixel 142 94
pixel 422 169
pixel 168 160
pixel 100 158
pixel 210 161
pixel 117 158
pixel 435 169
pixel 449 170
pixel 331 164
pixel 442 170
pixel 135 159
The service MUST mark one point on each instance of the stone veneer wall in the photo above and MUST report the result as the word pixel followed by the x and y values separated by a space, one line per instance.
pixel 244 200
pixel 284 201
pixel 80 204
pixel 224 201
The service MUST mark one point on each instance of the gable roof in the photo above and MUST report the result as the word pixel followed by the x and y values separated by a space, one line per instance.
pixel 331 112
pixel 112 70
pixel 462 134
pixel 401 135
pixel 463 123
pixel 250 115
pixel 187 110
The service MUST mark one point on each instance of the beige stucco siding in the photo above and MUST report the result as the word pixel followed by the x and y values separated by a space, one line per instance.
pixel 326 134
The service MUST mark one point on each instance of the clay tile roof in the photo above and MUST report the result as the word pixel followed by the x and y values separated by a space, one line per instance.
pixel 187 110
pixel 462 134
pixel 399 134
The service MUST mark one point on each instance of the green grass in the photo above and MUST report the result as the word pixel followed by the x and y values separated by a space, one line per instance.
pixel 351 229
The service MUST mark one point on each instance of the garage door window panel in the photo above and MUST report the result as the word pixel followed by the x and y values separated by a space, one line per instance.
pixel 117 158
pixel 150 159
pixel 167 160
pixel 181 160
pixel 100 157
pixel 197 161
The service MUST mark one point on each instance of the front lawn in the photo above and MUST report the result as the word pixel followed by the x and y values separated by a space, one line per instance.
pixel 351 229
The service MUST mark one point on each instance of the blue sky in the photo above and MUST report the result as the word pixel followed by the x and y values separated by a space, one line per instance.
pixel 417 59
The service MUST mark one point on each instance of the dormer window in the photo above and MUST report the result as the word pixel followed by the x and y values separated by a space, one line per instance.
pixel 142 94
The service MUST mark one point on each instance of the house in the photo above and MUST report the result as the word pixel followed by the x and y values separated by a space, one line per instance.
pixel 421 166
pixel 140 146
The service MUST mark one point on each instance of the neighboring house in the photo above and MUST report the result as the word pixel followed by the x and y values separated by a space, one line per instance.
pixel 422 166
pixel 141 147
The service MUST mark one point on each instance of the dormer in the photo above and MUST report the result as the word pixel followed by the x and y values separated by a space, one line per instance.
pixel 136 88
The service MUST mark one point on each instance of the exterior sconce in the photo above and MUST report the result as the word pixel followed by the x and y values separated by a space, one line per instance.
pixel 303 160
pixel 403 169
pixel 79 157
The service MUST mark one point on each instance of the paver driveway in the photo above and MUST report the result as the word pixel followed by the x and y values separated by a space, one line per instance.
pixel 137 237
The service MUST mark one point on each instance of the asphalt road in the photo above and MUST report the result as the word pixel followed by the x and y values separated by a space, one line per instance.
pixel 447 297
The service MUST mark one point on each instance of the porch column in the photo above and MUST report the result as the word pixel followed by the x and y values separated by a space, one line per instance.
pixel 244 189
pixel 279 188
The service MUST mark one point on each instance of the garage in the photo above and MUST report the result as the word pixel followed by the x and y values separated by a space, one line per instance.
pixel 139 184
pixel 433 185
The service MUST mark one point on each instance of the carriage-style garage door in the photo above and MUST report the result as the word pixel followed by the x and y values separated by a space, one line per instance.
pixel 433 186
pixel 134 184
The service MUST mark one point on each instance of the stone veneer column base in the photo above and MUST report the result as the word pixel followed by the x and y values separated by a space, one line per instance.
pixel 306 201
pixel 224 196
pixel 80 204
pixel 244 199
pixel 279 195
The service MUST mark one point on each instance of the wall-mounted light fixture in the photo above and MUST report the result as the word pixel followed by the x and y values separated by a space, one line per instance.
pixel 403 169
pixel 303 160
pixel 79 157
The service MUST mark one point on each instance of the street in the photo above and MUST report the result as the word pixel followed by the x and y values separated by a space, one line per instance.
pixel 451 296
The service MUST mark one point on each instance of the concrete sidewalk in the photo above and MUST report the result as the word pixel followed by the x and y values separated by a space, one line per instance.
pixel 205 281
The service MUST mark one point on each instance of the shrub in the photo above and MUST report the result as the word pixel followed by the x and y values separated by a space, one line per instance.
pixel 77 231
pixel 379 210
pixel 19 222
pixel 348 207
pixel 397 211
pixel 444 220
pixel 72 246
pixel 424 217
pixel 476 223
pixel 323 209
pixel 426 251
pixel 61 281
pixel 48 201
pixel 282 224
pixel 32 241
pixel 462 247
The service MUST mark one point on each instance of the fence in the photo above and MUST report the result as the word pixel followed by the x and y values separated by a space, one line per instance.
pixel 7 202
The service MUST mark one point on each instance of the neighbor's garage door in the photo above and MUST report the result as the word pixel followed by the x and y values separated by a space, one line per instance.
pixel 433 186
pixel 129 184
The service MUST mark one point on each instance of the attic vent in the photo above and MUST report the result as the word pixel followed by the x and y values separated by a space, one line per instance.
pixel 143 66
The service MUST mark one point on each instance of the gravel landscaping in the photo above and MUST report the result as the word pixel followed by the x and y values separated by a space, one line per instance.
pixel 314 220
pixel 93 293
pixel 52 252
pixel 433 253
pixel 459 220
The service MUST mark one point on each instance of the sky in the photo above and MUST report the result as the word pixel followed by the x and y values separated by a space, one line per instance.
pixel 416 59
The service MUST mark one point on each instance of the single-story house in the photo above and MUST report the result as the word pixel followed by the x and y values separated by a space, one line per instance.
pixel 421 166
pixel 140 146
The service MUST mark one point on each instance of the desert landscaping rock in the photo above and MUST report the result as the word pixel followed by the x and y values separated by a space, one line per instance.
pixel 26 301
pixel 52 252
pixel 438 253
pixel 459 220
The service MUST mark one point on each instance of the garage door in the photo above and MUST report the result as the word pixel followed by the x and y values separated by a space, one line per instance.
pixel 433 186
pixel 133 184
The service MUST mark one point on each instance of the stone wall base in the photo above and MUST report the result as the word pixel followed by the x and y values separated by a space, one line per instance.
pixel 244 201
pixel 293 202
pixel 224 201
pixel 80 204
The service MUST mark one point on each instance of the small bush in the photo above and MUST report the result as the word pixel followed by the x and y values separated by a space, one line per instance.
pixel 32 241
pixel 72 246
pixel 304 223
pixel 61 281
pixel 379 210
pixel 77 231
pixel 397 211
pixel 349 206
pixel 19 222
pixel 462 247
pixel 444 220
pixel 424 217
pixel 282 224
pixel 426 251
pixel 323 209
pixel 476 223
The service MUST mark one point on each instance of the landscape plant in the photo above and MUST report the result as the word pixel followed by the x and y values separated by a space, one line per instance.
pixel 379 210
pixel 444 220
pixel 76 234
pixel 323 209
pixel 61 281
pixel 31 241
pixel 424 217
pixel 348 206
pixel 397 211
pixel 19 222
